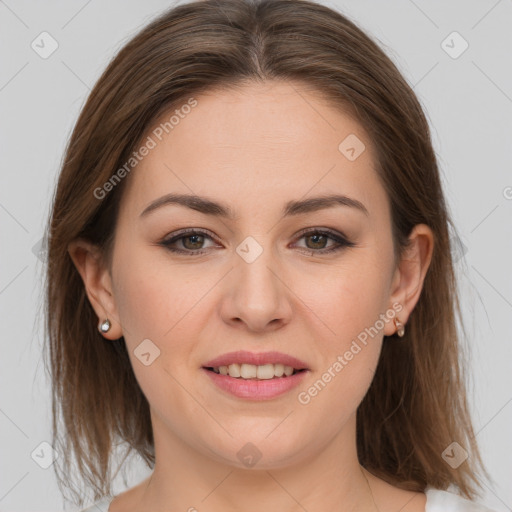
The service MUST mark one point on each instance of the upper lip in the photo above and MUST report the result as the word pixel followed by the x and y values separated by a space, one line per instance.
pixel 258 359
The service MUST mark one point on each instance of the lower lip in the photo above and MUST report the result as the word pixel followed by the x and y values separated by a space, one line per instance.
pixel 256 389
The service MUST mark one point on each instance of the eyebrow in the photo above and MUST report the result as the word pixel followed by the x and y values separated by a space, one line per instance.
pixel 209 207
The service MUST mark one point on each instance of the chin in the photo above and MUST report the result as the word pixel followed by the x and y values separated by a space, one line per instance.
pixel 254 452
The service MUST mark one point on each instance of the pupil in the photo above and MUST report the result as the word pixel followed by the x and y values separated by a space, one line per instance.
pixel 195 241
pixel 316 237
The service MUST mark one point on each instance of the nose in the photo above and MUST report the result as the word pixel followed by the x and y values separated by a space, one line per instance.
pixel 256 295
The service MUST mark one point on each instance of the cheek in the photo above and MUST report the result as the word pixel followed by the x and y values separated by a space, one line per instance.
pixel 350 350
pixel 350 310
pixel 166 304
pixel 154 298
pixel 142 308
pixel 156 310
pixel 348 299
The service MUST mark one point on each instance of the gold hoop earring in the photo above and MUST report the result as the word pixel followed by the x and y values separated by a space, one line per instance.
pixel 104 326
pixel 400 329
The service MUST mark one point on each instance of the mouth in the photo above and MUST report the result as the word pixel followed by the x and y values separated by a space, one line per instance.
pixel 256 375
pixel 255 365
pixel 246 371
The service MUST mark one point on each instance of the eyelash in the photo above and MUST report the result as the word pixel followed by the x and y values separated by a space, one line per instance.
pixel 342 242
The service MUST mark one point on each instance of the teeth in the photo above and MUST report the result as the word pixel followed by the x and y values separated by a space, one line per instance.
pixel 288 370
pixel 251 371
pixel 278 370
pixel 233 370
pixel 248 371
pixel 265 371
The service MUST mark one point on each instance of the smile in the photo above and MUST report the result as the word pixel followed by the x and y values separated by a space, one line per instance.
pixel 251 371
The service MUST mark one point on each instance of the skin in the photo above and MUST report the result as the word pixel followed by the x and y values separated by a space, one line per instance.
pixel 254 149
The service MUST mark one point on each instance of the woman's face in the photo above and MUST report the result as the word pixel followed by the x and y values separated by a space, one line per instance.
pixel 272 275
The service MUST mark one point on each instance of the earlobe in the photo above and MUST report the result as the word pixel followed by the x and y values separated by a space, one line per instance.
pixel 410 274
pixel 95 275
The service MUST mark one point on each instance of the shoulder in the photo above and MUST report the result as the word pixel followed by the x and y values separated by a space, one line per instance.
pixel 99 506
pixel 444 501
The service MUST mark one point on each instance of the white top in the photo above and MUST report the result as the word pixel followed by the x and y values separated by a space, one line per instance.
pixel 444 501
pixel 437 501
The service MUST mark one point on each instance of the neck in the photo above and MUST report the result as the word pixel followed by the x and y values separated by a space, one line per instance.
pixel 184 478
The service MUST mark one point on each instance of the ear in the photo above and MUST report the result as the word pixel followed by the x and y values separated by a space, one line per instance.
pixel 407 282
pixel 89 261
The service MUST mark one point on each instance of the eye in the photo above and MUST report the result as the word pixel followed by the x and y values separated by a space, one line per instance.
pixel 191 242
pixel 317 241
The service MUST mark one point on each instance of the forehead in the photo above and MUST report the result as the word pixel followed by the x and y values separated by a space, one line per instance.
pixel 255 144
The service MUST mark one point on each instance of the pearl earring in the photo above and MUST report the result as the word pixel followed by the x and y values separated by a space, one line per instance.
pixel 104 326
pixel 400 329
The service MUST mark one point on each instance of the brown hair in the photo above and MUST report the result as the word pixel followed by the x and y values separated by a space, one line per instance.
pixel 416 406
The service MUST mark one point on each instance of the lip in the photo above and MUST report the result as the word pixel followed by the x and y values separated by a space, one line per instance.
pixel 256 389
pixel 258 359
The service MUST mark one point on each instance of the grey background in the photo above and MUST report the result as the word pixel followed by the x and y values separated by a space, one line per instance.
pixel 468 101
